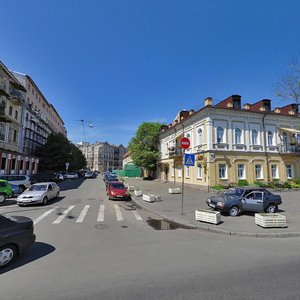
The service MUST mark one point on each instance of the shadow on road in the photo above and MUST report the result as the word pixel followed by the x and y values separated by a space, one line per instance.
pixel 70 184
pixel 8 202
pixel 34 252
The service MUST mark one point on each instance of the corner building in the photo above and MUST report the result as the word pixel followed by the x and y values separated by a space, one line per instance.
pixel 232 143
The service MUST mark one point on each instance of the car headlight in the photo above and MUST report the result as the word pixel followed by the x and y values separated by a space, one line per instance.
pixel 113 193
pixel 220 203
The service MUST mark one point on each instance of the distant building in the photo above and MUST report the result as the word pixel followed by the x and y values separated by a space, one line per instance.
pixel 102 156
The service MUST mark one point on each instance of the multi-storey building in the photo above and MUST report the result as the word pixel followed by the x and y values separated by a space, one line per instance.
pixel 232 143
pixel 103 156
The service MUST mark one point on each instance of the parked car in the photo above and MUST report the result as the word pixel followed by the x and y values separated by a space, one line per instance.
pixel 46 177
pixel 70 176
pixel 22 181
pixel 109 180
pixel 16 190
pixel 117 190
pixel 16 234
pixel 90 174
pixel 5 190
pixel 237 200
pixel 39 193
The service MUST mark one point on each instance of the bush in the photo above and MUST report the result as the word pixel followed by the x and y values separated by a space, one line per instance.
pixel 260 184
pixel 218 187
pixel 243 182
pixel 296 180
pixel 286 185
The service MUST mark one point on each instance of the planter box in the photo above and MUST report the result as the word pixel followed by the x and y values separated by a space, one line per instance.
pixel 174 190
pixel 157 197
pixel 148 198
pixel 138 193
pixel 130 188
pixel 208 216
pixel 270 220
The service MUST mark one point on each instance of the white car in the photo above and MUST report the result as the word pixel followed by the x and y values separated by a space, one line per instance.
pixel 71 176
pixel 39 193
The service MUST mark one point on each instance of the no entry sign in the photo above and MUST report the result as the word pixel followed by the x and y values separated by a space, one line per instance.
pixel 185 143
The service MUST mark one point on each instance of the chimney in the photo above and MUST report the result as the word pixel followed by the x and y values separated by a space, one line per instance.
pixel 208 101
pixel 191 112
pixel 246 106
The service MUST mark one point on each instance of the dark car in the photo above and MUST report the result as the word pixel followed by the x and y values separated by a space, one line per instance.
pixel 46 177
pixel 16 234
pixel 117 190
pixel 109 180
pixel 236 200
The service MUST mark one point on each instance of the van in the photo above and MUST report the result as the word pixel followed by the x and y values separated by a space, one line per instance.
pixel 22 181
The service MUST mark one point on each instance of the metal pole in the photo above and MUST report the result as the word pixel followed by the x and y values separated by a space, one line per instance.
pixel 182 186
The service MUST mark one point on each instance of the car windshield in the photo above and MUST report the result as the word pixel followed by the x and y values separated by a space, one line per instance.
pixel 234 192
pixel 117 185
pixel 41 187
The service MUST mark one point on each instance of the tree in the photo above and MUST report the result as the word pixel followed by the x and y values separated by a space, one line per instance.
pixel 288 86
pixel 144 146
pixel 57 151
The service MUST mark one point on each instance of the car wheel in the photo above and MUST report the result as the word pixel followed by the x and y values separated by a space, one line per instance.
pixel 272 208
pixel 45 200
pixel 2 197
pixel 234 211
pixel 7 255
pixel 57 195
pixel 21 188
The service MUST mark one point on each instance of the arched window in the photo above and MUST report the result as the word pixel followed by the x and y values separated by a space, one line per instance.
pixel 220 135
pixel 270 138
pixel 254 137
pixel 199 136
pixel 238 135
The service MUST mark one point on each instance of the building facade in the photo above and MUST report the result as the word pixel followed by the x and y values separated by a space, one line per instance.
pixel 232 143
pixel 102 156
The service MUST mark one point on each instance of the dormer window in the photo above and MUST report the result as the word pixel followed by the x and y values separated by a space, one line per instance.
pixel 236 103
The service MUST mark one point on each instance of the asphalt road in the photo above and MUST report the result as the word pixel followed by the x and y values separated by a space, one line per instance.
pixel 103 249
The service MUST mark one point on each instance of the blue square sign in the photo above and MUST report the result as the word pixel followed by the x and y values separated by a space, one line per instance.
pixel 189 159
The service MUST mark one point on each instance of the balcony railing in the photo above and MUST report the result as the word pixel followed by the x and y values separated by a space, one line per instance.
pixel 16 96
pixel 289 148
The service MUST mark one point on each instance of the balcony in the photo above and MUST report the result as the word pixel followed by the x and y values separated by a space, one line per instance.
pixel 286 149
pixel 221 146
pixel 3 90
pixel 3 116
pixel 16 97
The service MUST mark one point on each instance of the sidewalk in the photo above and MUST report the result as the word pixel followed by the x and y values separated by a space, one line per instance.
pixel 170 208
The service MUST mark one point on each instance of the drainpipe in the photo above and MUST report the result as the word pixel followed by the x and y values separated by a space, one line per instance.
pixel 265 147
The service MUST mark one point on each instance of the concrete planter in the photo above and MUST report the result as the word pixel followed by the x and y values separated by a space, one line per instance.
pixel 174 190
pixel 148 198
pixel 270 220
pixel 130 188
pixel 208 216
pixel 138 193
pixel 157 197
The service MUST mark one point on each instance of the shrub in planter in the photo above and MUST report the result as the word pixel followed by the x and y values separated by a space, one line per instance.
pixel 260 184
pixel 243 182
pixel 287 185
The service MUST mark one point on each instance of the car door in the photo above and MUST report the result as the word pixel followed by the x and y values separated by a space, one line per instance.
pixel 50 191
pixel 253 201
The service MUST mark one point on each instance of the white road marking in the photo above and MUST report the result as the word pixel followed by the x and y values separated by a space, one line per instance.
pixel 118 213
pixel 101 213
pixel 137 216
pixel 44 215
pixel 60 218
pixel 82 214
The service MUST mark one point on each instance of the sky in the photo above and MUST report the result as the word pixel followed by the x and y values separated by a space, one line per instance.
pixel 119 63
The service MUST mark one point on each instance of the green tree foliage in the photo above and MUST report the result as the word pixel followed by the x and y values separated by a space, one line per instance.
pixel 144 146
pixel 57 151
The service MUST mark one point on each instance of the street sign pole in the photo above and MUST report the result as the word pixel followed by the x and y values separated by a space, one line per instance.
pixel 182 185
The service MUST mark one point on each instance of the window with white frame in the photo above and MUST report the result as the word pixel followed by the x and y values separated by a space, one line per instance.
pixel 284 139
pixel 238 136
pixel 222 171
pixel 270 138
pixel 241 171
pixel 274 170
pixel 179 170
pixel 199 136
pixel 289 171
pixel 199 170
pixel 187 171
pixel 258 172
pixel 220 135
pixel 254 137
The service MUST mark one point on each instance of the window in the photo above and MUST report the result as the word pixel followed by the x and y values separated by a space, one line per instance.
pixel 16 115
pixel 258 172
pixel 220 135
pixel 179 171
pixel 199 136
pixel 222 171
pixel 10 111
pixel 284 139
pixel 270 138
pixel 15 136
pixel 238 136
pixel 241 171
pixel 199 170
pixel 274 170
pixel 187 172
pixel 289 171
pixel 2 131
pixel 254 137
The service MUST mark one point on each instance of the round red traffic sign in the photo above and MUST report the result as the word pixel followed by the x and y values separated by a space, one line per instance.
pixel 185 143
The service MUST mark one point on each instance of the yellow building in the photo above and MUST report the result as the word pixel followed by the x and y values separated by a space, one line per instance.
pixel 232 143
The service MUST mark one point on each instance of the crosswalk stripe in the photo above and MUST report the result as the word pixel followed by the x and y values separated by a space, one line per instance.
pixel 60 218
pixel 136 215
pixel 82 214
pixel 44 215
pixel 101 213
pixel 118 213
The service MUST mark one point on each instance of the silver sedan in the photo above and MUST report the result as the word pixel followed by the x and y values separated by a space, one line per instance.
pixel 39 193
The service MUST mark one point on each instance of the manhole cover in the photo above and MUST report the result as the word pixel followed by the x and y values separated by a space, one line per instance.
pixel 101 226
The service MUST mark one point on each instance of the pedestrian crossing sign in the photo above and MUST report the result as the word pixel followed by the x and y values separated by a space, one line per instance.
pixel 189 159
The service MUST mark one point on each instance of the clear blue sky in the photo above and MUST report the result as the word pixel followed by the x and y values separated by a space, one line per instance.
pixel 118 63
